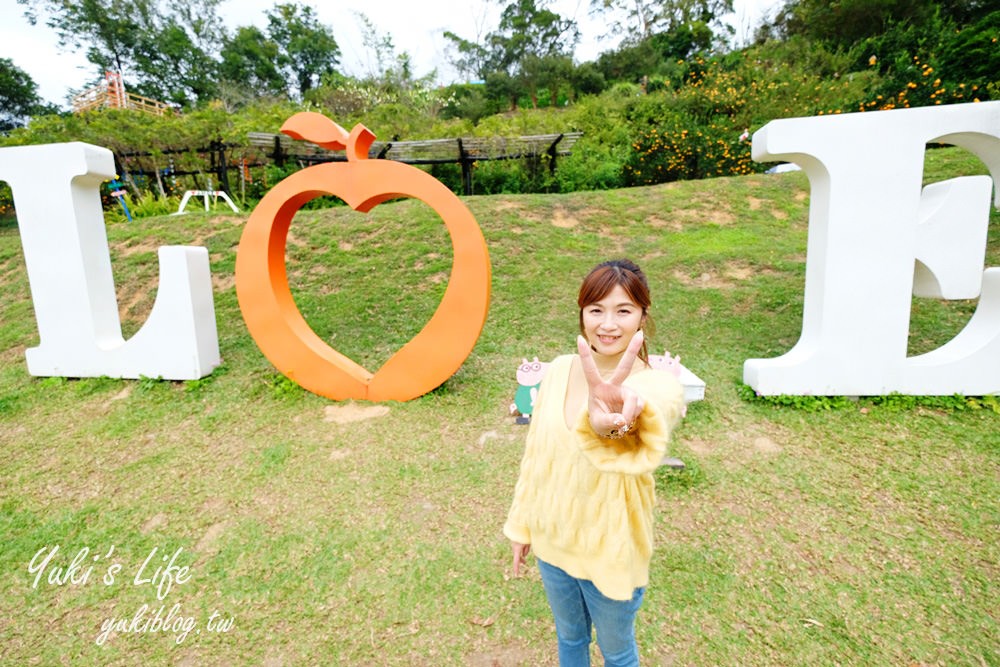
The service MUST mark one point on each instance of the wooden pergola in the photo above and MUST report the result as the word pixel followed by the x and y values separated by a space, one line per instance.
pixel 463 150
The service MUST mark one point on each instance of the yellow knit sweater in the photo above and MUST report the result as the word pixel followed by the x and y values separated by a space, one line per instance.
pixel 585 503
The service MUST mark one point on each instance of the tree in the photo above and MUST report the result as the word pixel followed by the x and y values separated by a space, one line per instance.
pixel 641 19
pixel 530 49
pixel 186 46
pixel 656 54
pixel 552 73
pixel 174 67
pixel 108 31
pixel 965 12
pixel 308 48
pixel 844 23
pixel 502 89
pixel 18 96
pixel 250 61
pixel 470 59
pixel 587 79
pixel 528 30
pixel 162 49
pixel 379 45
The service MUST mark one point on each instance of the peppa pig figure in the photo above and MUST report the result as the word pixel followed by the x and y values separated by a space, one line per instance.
pixel 529 376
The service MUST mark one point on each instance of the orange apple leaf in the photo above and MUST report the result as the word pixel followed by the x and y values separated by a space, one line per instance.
pixel 316 128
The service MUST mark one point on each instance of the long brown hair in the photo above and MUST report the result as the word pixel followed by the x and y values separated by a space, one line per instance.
pixel 605 277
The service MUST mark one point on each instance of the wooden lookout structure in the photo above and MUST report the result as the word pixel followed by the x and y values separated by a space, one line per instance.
pixel 463 150
pixel 111 94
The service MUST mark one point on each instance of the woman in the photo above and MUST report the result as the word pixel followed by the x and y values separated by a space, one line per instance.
pixel 584 500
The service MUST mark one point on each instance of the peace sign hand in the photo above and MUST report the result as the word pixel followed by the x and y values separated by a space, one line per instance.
pixel 613 408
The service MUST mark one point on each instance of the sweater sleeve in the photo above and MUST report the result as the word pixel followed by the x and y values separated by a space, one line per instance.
pixel 516 527
pixel 643 449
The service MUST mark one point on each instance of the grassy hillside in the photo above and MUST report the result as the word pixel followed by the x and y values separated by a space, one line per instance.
pixel 364 534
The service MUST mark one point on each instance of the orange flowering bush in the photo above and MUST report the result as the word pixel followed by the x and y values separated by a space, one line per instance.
pixel 702 129
pixel 932 65
pixel 695 130
pixel 675 153
pixel 924 87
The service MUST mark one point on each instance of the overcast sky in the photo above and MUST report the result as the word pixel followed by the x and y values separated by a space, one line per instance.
pixel 418 32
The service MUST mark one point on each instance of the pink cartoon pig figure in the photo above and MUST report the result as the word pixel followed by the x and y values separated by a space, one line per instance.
pixel 529 376
pixel 665 362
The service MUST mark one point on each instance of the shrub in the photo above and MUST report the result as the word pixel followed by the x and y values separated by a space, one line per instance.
pixel 592 166
pixel 683 149
pixel 468 101
pixel 972 55
pixel 512 177
pixel 683 121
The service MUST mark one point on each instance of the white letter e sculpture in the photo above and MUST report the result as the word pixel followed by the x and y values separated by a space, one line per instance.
pixel 876 237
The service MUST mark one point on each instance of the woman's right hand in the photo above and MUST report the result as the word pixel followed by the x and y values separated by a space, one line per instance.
pixel 520 553
pixel 612 407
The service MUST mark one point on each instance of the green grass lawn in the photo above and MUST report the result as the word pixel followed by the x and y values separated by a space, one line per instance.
pixel 369 534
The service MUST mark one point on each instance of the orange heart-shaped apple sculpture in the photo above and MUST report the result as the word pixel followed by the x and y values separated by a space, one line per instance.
pixel 273 319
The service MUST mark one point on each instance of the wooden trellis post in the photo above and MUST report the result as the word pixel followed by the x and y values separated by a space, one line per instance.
pixel 464 151
pixel 466 162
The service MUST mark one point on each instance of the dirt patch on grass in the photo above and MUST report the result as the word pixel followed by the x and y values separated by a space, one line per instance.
pixel 731 274
pixel 352 412
pixel 154 522
pixel 488 436
pixel 618 247
pixel 719 217
pixel 14 269
pixel 223 282
pixel 701 447
pixel 340 454
pixel 594 213
pixel 120 396
pixel 432 256
pixel 274 659
pixel 702 280
pixel 737 447
pixel 673 224
pixel 746 445
pixel 739 271
pixel 136 300
pixel 207 544
pixel 766 445
pixel 293 240
pixel 129 249
pixel 528 216
pixel 564 220
pixel 737 441
pixel 711 212
pixel 502 656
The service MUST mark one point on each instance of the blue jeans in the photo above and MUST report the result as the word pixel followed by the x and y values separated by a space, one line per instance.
pixel 576 605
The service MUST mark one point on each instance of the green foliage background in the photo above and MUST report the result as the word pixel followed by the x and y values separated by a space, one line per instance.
pixel 665 119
